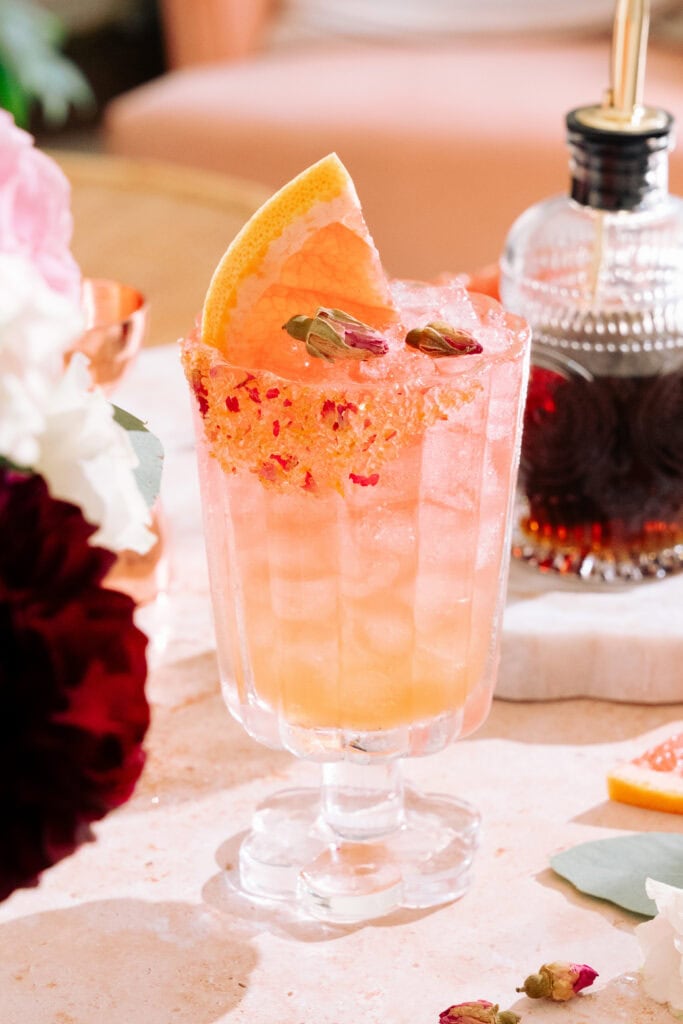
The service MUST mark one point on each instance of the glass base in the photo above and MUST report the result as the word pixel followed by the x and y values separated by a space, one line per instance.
pixel 292 854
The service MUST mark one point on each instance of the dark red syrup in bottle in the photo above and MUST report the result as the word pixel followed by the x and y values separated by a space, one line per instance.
pixel 602 467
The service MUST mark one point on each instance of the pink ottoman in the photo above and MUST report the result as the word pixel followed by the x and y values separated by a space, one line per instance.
pixel 447 143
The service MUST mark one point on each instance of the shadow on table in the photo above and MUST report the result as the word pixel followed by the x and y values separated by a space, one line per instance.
pixel 625 818
pixel 121 961
pixel 619 918
pixel 195 747
pixel 222 893
pixel 574 721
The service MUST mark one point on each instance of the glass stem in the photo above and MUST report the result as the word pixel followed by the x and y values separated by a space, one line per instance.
pixel 363 802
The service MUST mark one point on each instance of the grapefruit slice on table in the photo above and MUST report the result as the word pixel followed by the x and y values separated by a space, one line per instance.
pixel 308 246
pixel 653 779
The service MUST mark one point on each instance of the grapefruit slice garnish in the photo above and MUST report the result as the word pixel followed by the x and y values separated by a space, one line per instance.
pixel 303 423
pixel 307 247
pixel 653 779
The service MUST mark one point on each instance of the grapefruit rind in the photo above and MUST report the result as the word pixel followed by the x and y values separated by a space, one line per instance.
pixel 321 197
pixel 635 782
pixel 642 787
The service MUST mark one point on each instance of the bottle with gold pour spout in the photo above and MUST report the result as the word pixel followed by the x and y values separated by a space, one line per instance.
pixel 599 275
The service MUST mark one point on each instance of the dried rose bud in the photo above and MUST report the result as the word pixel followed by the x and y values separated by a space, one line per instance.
pixel 558 981
pixel 478 1012
pixel 440 339
pixel 332 333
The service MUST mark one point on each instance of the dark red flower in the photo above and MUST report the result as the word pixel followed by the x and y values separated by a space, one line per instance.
pixel 73 711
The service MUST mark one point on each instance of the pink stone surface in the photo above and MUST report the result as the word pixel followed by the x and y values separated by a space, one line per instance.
pixel 620 643
pixel 141 926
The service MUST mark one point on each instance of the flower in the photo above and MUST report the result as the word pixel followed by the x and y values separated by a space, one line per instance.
pixel 440 339
pixel 50 419
pixel 661 943
pixel 36 326
pixel 72 675
pixel 559 981
pixel 87 458
pixel 332 332
pixel 35 216
pixel 478 1012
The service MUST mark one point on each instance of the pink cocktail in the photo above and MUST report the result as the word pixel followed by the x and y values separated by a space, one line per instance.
pixel 356 521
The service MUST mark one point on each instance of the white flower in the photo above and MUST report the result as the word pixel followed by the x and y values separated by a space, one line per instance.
pixel 51 422
pixel 87 458
pixel 661 943
pixel 36 326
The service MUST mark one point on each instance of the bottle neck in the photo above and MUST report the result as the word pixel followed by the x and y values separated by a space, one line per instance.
pixel 614 170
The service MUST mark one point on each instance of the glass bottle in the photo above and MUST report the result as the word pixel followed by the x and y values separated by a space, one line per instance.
pixel 599 275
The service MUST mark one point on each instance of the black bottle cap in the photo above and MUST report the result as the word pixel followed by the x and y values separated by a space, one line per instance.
pixel 616 169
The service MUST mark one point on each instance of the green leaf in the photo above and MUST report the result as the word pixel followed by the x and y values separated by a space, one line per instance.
pixel 615 869
pixel 6 463
pixel 31 66
pixel 13 97
pixel 57 84
pixel 149 451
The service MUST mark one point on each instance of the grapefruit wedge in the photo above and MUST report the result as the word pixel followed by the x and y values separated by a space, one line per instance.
pixel 299 422
pixel 308 246
pixel 653 779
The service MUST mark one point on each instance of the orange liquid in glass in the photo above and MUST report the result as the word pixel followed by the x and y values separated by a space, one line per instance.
pixel 367 600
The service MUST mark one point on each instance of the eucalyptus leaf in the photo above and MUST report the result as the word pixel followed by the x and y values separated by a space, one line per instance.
pixel 615 869
pixel 149 451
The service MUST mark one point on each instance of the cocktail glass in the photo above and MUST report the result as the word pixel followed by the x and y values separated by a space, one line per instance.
pixel 357 614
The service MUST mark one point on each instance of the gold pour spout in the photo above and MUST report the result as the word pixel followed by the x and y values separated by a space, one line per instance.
pixel 622 109
pixel 629 53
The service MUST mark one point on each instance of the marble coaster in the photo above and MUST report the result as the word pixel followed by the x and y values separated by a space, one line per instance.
pixel 564 640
